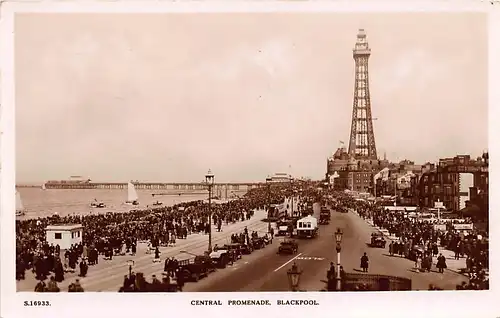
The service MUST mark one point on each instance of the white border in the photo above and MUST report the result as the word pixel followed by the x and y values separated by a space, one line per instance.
pixel 400 304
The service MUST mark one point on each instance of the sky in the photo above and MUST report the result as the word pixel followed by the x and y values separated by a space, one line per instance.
pixel 165 97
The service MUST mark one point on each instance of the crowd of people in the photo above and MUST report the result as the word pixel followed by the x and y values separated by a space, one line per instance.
pixel 420 239
pixel 119 233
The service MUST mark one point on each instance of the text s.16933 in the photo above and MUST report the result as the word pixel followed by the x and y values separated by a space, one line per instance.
pixel 36 303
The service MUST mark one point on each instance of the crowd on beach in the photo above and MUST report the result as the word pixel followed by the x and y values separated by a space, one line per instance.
pixel 111 234
pixel 419 240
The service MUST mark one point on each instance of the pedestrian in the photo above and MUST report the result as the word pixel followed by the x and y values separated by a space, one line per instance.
pixel 52 285
pixel 418 262
pixel 364 263
pixel 40 287
pixel 83 268
pixel 180 280
pixel 441 263
pixel 157 255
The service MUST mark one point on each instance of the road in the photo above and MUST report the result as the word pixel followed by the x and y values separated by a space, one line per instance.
pixel 265 270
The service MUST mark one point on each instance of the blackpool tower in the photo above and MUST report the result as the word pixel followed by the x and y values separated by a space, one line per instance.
pixel 362 139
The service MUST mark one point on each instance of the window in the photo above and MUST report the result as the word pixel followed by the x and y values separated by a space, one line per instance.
pixel 73 235
pixel 78 233
pixel 436 189
pixel 300 224
pixel 57 236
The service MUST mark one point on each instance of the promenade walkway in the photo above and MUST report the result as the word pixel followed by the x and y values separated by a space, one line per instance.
pixel 108 275
pixel 453 265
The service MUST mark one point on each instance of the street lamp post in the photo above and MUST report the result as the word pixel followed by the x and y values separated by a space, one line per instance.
pixel 130 263
pixel 209 179
pixel 268 183
pixel 338 239
pixel 294 277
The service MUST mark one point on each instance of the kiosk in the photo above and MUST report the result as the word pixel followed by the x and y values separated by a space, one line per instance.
pixel 64 234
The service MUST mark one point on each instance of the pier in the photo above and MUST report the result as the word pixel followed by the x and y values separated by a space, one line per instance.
pixel 219 189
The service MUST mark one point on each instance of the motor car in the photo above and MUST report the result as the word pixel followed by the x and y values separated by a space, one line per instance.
pixel 288 247
pixel 378 240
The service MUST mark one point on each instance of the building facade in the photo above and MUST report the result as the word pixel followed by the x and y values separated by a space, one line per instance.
pixel 353 174
pixel 454 181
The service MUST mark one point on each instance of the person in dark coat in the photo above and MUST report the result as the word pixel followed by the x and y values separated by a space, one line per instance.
pixel 20 268
pixel 77 287
pixel 52 285
pixel 134 249
pixel 331 278
pixel 441 263
pixel 83 268
pixel 59 271
pixel 72 261
pixel 155 285
pixel 96 256
pixel 40 287
pixel 391 248
pixel 342 274
pixel 180 280
pixel 435 250
pixel 167 265
pixel 364 263
pixel 157 253
pixel 126 283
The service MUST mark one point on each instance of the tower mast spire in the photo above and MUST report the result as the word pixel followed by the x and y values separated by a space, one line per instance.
pixel 362 138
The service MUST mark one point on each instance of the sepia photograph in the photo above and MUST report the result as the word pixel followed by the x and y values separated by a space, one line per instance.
pixel 266 151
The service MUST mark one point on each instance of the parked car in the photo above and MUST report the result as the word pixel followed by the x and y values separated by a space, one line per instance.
pixel 194 269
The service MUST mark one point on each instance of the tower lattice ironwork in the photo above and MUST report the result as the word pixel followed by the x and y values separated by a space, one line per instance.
pixel 362 140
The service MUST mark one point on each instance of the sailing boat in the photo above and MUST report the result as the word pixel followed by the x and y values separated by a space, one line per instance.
pixel 43 187
pixel 132 198
pixel 157 203
pixel 19 205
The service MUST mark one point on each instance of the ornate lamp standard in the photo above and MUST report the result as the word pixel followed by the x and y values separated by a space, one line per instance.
pixel 130 263
pixel 268 183
pixel 209 179
pixel 338 240
pixel 294 277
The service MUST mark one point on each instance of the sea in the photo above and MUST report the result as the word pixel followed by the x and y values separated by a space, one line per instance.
pixel 43 203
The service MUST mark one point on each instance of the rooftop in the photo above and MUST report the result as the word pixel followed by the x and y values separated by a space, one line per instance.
pixel 63 227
